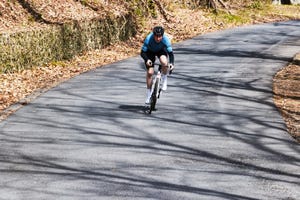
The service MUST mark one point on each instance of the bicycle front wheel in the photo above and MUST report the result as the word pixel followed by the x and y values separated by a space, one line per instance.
pixel 154 96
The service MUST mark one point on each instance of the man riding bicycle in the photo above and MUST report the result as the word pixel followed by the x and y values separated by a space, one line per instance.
pixel 157 44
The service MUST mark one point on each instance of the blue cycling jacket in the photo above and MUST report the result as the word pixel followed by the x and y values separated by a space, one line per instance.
pixel 151 45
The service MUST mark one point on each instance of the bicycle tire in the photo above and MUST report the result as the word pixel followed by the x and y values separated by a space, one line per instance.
pixel 154 96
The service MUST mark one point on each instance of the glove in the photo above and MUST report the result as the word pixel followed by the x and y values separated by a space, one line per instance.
pixel 149 63
pixel 171 68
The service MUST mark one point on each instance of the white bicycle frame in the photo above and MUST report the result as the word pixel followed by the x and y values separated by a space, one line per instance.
pixel 156 78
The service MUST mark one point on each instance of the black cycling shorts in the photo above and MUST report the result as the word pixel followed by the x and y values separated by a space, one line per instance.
pixel 151 55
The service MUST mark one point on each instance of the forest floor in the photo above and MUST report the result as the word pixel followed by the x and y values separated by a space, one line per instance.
pixel 19 88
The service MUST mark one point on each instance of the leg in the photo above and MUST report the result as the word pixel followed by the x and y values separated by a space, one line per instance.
pixel 164 62
pixel 150 72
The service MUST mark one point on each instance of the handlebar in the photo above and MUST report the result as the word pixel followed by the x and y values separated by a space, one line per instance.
pixel 160 66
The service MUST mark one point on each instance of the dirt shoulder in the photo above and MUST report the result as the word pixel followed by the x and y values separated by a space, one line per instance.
pixel 19 88
pixel 286 88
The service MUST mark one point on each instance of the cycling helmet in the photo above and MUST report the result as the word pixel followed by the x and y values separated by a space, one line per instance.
pixel 158 31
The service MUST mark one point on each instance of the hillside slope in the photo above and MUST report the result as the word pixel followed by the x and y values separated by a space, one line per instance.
pixel 27 14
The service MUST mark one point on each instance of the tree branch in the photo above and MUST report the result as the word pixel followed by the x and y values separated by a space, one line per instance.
pixel 212 3
pixel 162 11
pixel 222 3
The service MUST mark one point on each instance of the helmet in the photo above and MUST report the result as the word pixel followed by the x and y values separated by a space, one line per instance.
pixel 158 31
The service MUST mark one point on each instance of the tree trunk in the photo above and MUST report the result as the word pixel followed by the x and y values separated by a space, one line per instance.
pixel 212 4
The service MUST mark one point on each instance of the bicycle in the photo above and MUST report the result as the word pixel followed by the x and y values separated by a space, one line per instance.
pixel 155 89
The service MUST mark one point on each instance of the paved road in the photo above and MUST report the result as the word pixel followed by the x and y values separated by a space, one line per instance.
pixel 216 133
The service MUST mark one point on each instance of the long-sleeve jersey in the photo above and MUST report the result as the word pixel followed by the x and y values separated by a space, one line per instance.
pixel 151 45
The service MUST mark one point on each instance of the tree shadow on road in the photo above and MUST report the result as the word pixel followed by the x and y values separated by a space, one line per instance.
pixel 98 144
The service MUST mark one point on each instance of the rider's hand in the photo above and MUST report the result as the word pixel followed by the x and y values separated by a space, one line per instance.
pixel 149 63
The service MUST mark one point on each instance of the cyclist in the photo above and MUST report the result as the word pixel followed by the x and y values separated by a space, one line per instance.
pixel 157 44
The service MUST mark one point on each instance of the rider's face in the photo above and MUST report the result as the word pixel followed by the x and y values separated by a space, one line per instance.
pixel 158 38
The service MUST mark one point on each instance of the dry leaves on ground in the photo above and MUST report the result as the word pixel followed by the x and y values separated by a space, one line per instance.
pixel 286 87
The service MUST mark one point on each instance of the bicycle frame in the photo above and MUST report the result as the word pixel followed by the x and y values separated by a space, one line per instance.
pixel 155 88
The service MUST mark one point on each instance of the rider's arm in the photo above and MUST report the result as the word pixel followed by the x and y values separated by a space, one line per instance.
pixel 144 55
pixel 171 57
pixel 145 48
pixel 169 49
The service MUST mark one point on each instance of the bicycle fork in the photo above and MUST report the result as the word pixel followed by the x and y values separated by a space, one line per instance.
pixel 156 88
pixel 159 84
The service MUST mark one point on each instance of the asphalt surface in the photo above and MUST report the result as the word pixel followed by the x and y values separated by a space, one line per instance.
pixel 216 133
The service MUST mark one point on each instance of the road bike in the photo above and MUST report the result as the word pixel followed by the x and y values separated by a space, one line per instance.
pixel 155 89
